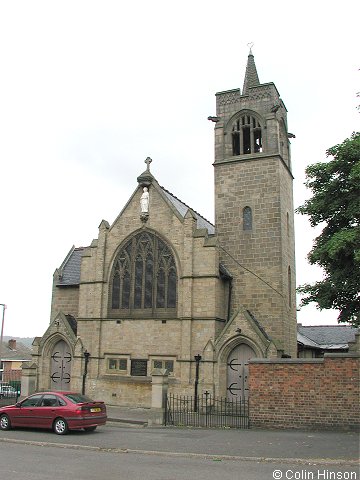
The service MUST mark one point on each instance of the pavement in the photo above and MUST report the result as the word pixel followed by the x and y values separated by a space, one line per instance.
pixel 128 430
pixel 128 415
pixel 300 446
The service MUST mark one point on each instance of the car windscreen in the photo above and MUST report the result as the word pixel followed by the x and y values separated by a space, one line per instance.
pixel 78 398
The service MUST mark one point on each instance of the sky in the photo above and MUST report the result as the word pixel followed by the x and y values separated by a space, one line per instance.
pixel 89 89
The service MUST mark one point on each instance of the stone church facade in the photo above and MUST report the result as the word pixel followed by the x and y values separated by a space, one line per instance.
pixel 162 285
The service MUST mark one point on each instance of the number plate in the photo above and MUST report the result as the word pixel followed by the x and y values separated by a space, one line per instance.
pixel 92 410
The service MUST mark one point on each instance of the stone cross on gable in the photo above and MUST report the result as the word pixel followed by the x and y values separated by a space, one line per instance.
pixel 148 161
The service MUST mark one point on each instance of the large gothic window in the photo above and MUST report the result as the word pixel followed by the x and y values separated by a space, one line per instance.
pixel 144 278
pixel 246 135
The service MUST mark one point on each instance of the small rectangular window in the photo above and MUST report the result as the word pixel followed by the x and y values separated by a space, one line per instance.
pixel 112 362
pixel 164 364
pixel 117 365
pixel 122 364
pixel 158 364
pixel 169 365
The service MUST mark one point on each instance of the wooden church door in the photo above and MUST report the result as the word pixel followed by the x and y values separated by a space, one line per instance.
pixel 60 371
pixel 238 372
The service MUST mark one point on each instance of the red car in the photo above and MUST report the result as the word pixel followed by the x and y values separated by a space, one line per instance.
pixel 60 411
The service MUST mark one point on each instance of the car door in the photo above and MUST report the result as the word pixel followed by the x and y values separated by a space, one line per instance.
pixel 48 410
pixel 26 414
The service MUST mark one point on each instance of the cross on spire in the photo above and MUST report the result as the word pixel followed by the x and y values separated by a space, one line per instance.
pixel 250 45
pixel 148 161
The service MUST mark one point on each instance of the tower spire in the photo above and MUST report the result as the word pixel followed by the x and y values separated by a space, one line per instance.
pixel 251 77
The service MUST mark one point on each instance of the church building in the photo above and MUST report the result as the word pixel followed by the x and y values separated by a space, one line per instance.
pixel 163 288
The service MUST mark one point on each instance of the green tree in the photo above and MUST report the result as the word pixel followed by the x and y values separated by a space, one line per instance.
pixel 335 205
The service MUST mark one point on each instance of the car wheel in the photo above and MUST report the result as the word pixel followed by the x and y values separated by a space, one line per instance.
pixel 5 423
pixel 60 426
pixel 89 429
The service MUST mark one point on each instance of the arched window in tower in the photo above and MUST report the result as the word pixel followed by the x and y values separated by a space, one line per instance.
pixel 247 218
pixel 144 277
pixel 246 136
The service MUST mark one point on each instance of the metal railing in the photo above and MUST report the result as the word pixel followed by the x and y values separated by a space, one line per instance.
pixel 10 387
pixel 206 411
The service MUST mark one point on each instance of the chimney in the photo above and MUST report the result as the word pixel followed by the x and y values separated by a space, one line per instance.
pixel 12 344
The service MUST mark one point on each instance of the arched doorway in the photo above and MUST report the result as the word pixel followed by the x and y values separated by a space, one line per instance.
pixel 60 369
pixel 238 372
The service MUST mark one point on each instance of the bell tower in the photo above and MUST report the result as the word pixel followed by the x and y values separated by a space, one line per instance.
pixel 254 213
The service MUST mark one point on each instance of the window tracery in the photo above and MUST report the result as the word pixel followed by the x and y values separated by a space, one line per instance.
pixel 144 277
pixel 246 135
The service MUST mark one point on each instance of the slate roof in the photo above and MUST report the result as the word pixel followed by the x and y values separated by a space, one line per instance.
pixel 72 322
pixel 20 353
pixel 326 337
pixel 69 272
pixel 70 269
pixel 182 208
pixel 258 324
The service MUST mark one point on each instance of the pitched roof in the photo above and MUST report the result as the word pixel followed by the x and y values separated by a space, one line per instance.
pixel 327 337
pixel 69 272
pixel 19 353
pixel 182 208
pixel 72 322
pixel 258 324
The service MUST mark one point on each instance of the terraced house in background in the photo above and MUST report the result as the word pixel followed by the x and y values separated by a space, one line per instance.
pixel 12 355
pixel 161 285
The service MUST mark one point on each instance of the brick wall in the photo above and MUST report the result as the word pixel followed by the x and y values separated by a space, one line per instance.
pixel 318 393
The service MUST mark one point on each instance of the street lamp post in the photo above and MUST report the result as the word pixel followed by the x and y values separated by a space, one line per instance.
pixel 86 356
pixel 197 360
pixel 1 338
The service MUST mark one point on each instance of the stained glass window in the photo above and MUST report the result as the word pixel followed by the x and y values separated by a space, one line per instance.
pixel 116 290
pixel 144 276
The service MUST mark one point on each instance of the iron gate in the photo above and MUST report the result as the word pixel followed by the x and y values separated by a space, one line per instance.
pixel 206 411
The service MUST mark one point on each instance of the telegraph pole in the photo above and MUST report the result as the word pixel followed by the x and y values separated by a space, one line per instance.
pixel 1 339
